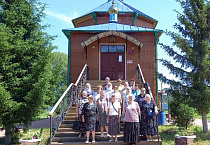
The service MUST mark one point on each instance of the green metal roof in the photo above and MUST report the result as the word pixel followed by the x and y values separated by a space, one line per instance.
pixel 122 8
pixel 111 27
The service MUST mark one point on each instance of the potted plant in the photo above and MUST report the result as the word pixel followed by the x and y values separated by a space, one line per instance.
pixel 184 136
pixel 31 139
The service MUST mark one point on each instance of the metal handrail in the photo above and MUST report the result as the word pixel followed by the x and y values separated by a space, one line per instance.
pixel 78 79
pixel 69 97
pixel 140 77
pixel 61 98
pixel 140 74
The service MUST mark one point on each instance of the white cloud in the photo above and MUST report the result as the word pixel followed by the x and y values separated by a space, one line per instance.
pixel 62 16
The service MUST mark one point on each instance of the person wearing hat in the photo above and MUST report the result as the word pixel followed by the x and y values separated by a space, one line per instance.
pixel 119 85
pixel 131 111
pixel 89 117
pixel 113 118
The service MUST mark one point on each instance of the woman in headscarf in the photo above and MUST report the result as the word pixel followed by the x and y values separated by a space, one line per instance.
pixel 109 89
pixel 102 103
pixel 88 89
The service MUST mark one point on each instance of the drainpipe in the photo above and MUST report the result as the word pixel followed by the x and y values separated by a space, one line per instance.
pixel 156 66
pixel 134 18
pixel 69 55
pixel 95 18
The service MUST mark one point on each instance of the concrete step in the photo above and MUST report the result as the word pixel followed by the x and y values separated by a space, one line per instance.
pixel 70 118
pixel 66 125
pixel 76 133
pixel 106 142
pixel 71 113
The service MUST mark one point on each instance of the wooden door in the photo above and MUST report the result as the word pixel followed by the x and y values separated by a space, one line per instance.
pixel 112 62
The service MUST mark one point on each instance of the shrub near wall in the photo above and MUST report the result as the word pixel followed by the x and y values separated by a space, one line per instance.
pixel 182 113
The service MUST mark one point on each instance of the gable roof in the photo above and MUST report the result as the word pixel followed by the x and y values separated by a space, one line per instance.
pixel 122 8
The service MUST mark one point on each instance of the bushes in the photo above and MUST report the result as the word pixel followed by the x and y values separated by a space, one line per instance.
pixel 182 113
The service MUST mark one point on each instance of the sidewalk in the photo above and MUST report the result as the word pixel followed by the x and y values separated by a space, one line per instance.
pixel 198 122
pixel 44 123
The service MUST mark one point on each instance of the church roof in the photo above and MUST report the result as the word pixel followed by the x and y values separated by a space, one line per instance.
pixel 111 27
pixel 122 8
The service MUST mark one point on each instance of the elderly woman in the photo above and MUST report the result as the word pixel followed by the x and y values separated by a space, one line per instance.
pixel 113 118
pixel 117 95
pixel 131 126
pixel 136 92
pixel 107 79
pixel 89 116
pixel 109 89
pixel 148 123
pixel 97 94
pixel 119 85
pixel 82 100
pixel 123 91
pixel 88 89
pixel 102 103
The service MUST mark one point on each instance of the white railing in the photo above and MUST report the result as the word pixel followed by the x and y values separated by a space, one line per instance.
pixel 68 98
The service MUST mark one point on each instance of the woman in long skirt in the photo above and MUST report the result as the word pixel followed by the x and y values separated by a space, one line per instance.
pixel 148 123
pixel 131 126
pixel 89 117
pixel 113 118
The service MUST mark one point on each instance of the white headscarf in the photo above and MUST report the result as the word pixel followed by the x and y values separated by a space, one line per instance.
pixel 88 90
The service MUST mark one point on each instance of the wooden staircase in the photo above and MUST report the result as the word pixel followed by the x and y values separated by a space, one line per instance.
pixel 66 135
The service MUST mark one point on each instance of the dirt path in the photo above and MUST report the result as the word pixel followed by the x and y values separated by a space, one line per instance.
pixel 198 122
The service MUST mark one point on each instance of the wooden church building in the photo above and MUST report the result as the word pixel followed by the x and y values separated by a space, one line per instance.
pixel 112 40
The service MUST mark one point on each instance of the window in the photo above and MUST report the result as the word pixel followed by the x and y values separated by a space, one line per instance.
pixel 104 48
pixel 120 48
pixel 112 48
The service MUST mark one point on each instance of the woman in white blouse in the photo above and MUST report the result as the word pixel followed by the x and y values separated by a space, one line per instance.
pixel 113 118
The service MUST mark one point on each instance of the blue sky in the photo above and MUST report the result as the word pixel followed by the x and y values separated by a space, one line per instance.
pixel 60 13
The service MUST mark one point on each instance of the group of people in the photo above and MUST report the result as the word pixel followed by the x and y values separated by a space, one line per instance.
pixel 111 105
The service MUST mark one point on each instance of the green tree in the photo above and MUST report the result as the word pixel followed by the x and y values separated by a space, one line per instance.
pixel 24 63
pixel 59 66
pixel 193 55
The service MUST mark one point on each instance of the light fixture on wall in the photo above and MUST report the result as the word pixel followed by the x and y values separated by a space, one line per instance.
pixel 94 47
pixel 132 48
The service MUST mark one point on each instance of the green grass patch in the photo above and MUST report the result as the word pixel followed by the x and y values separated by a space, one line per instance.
pixel 42 115
pixel 197 116
pixel 167 133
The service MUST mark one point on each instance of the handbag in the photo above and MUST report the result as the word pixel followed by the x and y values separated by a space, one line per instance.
pixel 76 125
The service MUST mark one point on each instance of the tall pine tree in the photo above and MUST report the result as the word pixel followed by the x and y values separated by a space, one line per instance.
pixel 193 55
pixel 25 52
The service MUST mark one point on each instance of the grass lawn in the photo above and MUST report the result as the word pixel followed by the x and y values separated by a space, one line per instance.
pixel 167 133
pixel 200 117
pixel 43 115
